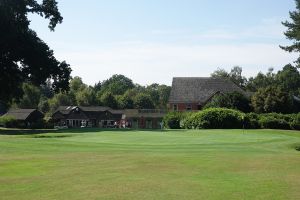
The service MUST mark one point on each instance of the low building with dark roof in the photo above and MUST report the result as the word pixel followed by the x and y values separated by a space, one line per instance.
pixel 193 93
pixel 27 116
pixel 105 117
pixel 81 116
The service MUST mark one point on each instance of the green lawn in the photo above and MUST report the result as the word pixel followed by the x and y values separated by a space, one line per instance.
pixel 205 164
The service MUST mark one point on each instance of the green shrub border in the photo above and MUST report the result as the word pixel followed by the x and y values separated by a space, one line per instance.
pixel 223 118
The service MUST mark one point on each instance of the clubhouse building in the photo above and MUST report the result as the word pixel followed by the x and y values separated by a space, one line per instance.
pixel 105 117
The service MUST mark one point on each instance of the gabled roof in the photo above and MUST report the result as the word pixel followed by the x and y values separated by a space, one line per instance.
pixel 200 89
pixel 21 114
pixel 67 109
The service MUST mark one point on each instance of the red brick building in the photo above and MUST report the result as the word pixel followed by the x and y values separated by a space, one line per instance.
pixel 193 93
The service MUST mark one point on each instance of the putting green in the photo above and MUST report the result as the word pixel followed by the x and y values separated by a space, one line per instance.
pixel 179 164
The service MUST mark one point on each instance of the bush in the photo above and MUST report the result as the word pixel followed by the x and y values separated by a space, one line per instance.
pixel 287 117
pixel 172 120
pixel 215 118
pixel 273 123
pixel 251 121
pixel 295 124
pixel 8 121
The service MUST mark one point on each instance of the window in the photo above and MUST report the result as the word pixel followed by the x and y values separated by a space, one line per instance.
pixel 188 107
pixel 175 108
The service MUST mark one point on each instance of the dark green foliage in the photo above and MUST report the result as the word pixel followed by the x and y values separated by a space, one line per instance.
pixel 293 30
pixel 295 124
pixel 261 81
pixel 117 85
pixel 273 123
pixel 251 121
pixel 8 121
pixel 24 57
pixel 215 118
pixel 31 96
pixel 233 100
pixel 59 99
pixel 289 79
pixel 86 97
pixel 125 102
pixel 272 99
pixel 107 99
pixel 172 120
pixel 143 101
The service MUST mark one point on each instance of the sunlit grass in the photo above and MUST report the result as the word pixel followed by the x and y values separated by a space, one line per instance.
pixel 98 164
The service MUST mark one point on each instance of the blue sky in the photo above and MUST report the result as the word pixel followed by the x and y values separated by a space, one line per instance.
pixel 154 40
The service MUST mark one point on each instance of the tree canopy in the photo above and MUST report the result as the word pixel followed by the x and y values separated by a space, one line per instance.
pixel 293 31
pixel 24 57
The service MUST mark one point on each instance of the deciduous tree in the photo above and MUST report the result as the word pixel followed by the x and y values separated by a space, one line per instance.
pixel 24 57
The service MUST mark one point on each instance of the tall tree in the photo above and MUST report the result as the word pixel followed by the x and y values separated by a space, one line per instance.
pixel 289 79
pixel 232 100
pixel 293 31
pixel 261 80
pixel 143 101
pixel 235 75
pixel 108 99
pixel 272 99
pixel 31 96
pixel 24 57
pixel 117 84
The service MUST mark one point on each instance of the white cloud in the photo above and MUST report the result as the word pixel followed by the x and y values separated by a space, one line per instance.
pixel 146 63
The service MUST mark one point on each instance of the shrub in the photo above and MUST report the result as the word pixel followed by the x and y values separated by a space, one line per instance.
pixel 172 120
pixel 287 117
pixel 8 121
pixel 251 121
pixel 217 118
pixel 273 123
pixel 295 124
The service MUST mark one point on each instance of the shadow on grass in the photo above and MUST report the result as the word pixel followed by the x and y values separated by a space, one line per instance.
pixel 75 130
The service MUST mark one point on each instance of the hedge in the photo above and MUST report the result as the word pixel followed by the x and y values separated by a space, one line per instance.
pixel 218 118
pixel 223 118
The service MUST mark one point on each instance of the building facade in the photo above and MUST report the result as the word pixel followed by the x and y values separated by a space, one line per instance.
pixel 105 117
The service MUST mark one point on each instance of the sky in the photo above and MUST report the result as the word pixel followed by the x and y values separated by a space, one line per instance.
pixel 152 41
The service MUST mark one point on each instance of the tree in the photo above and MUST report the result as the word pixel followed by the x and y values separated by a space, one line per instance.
pixel 24 57
pixel 76 84
pixel 220 73
pixel 108 99
pixel 234 100
pixel 31 96
pixel 261 80
pixel 143 101
pixel 289 79
pixel 235 75
pixel 293 31
pixel 117 85
pixel 125 101
pixel 86 97
pixel 272 99
pixel 59 99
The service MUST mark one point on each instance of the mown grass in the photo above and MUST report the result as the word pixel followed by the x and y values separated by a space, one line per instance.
pixel 200 164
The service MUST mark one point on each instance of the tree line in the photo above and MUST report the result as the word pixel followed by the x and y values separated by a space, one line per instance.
pixel 117 92
pixel 269 92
